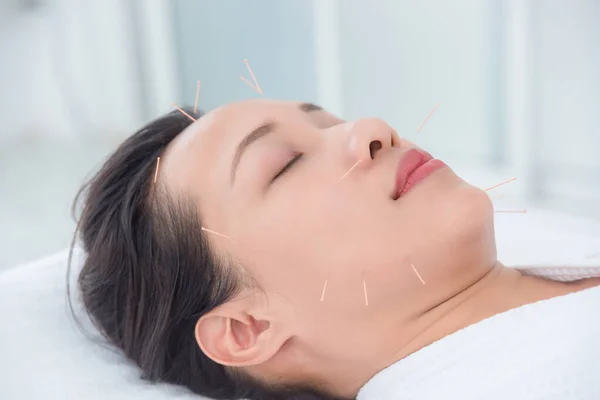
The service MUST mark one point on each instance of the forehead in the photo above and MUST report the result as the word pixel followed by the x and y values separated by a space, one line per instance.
pixel 204 149
pixel 228 123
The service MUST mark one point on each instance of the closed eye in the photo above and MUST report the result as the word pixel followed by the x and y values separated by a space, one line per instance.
pixel 288 166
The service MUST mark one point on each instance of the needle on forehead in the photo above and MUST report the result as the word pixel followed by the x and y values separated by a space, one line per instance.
pixel 183 112
pixel 196 101
pixel 255 86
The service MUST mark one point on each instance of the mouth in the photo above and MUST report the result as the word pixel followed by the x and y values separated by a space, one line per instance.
pixel 415 166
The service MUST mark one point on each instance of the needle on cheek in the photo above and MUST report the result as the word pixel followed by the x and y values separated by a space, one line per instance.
pixel 365 289
pixel 350 169
pixel 417 272
pixel 324 288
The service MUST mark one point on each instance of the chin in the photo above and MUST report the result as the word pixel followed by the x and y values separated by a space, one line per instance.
pixel 459 218
pixel 469 207
pixel 448 202
pixel 469 221
pixel 456 242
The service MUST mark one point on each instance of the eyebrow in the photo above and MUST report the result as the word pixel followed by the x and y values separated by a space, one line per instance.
pixel 259 133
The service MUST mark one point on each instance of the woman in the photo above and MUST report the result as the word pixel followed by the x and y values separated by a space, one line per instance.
pixel 276 250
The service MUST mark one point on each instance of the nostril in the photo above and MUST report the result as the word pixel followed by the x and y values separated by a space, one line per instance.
pixel 374 147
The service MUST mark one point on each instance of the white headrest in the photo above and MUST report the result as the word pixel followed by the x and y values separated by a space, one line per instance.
pixel 45 355
pixel 543 239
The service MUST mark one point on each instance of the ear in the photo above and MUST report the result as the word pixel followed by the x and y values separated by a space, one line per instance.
pixel 231 335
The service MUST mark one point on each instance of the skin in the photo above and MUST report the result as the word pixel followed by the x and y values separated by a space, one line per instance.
pixel 308 226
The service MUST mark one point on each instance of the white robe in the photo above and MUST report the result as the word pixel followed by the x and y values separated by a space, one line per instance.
pixel 545 350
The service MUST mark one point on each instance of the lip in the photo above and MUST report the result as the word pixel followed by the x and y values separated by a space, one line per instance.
pixel 415 166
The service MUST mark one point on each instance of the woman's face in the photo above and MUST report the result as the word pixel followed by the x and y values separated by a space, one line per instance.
pixel 334 256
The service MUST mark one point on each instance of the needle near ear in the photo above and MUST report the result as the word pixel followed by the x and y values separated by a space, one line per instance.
pixel 156 172
pixel 216 233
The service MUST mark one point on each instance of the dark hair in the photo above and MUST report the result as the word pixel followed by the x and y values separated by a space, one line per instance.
pixel 150 274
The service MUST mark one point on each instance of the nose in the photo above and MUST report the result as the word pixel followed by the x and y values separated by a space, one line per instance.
pixel 368 137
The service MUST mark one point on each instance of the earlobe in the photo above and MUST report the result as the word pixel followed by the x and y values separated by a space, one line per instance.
pixel 238 341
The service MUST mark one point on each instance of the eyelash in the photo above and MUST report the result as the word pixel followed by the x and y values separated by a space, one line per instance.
pixel 288 166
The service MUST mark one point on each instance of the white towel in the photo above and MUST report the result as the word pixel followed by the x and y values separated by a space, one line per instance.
pixel 546 350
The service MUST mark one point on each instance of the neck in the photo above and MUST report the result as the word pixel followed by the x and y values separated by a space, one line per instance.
pixel 499 290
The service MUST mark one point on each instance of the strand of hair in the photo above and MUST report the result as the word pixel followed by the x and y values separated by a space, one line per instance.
pixel 511 211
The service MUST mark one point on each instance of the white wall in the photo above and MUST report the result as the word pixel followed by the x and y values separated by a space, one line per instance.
pixel 399 58
pixel 518 83
pixel 567 102
pixel 67 70
pixel 214 37
pixel 70 92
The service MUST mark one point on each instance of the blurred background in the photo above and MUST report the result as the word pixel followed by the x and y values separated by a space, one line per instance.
pixel 517 83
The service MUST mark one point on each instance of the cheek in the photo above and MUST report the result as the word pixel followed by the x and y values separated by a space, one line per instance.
pixel 319 234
